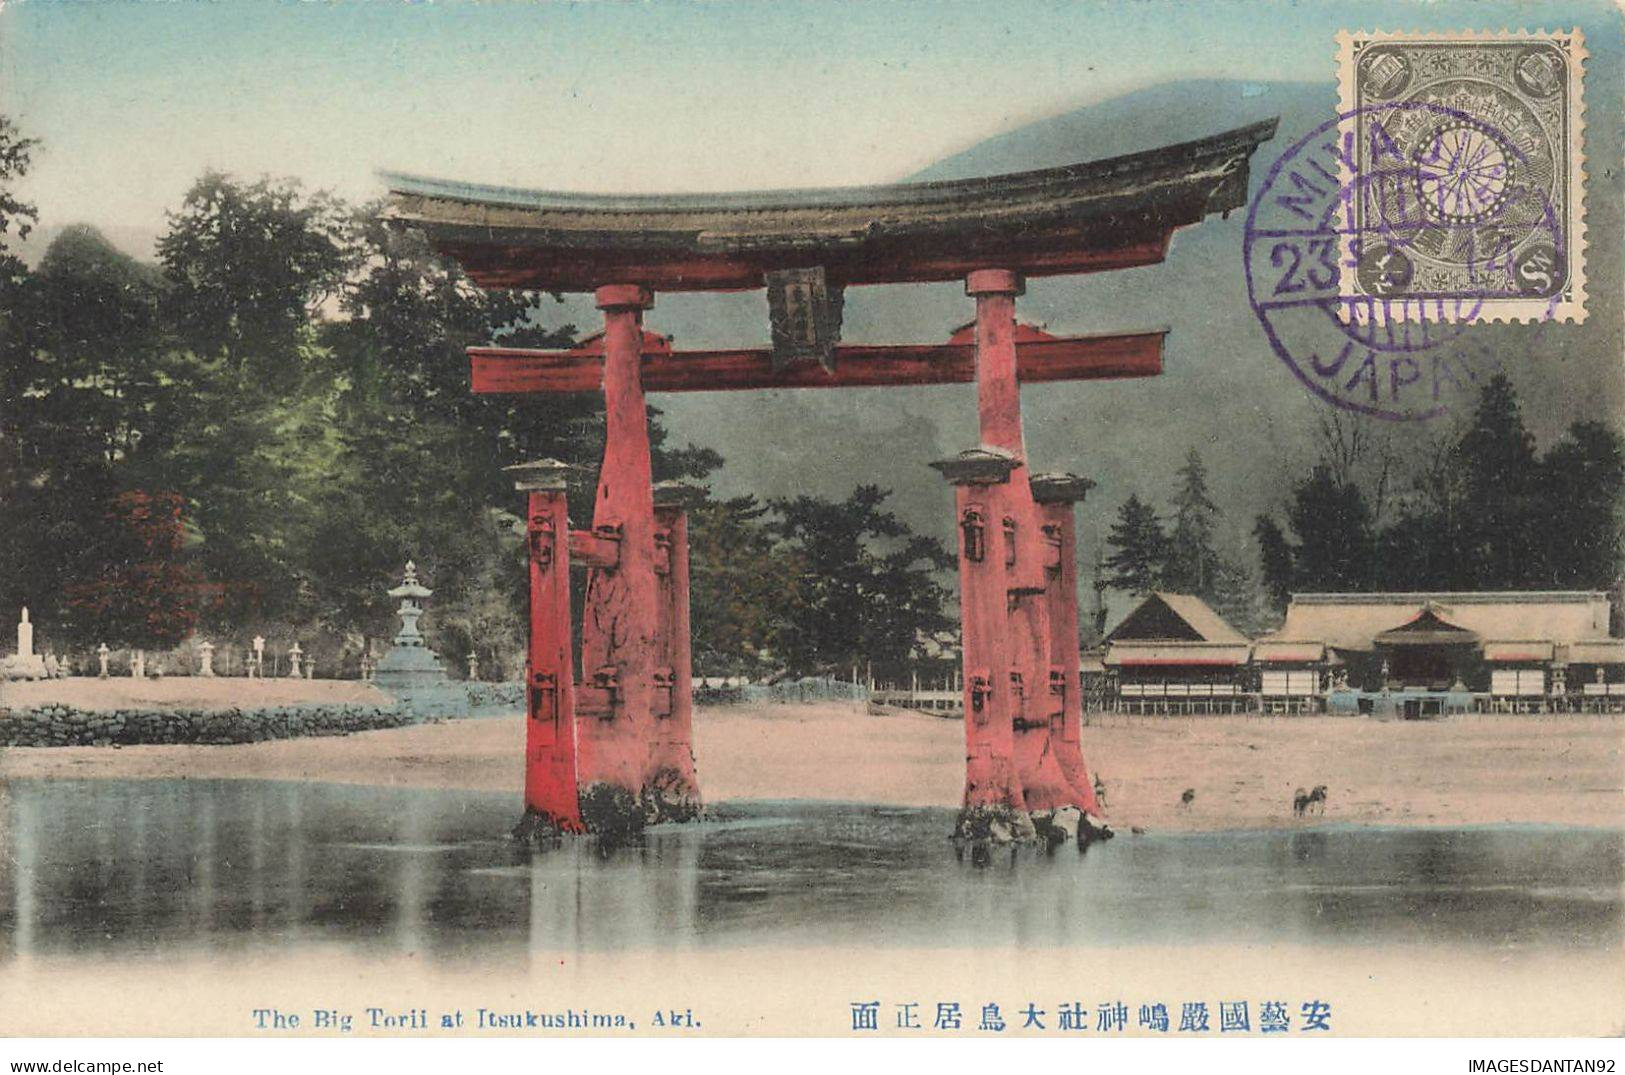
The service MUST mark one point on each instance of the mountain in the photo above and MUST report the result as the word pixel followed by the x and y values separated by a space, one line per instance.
pixel 1144 119
pixel 1223 390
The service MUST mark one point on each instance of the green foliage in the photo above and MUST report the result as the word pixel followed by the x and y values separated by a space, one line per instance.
pixel 1333 527
pixel 1488 512
pixel 869 588
pixel 1139 549
pixel 294 371
pixel 16 155
pixel 1582 478
pixel 1193 566
pixel 743 587
pixel 249 266
pixel 1275 561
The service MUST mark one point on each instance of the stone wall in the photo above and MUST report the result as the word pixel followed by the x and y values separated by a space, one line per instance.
pixel 498 696
pixel 63 725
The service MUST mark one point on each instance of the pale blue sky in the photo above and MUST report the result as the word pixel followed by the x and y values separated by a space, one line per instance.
pixel 132 101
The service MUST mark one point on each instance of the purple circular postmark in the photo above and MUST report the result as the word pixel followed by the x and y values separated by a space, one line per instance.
pixel 1379 240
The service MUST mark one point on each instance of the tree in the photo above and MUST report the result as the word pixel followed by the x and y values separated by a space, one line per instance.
pixel 1582 524
pixel 143 595
pixel 16 353
pixel 1430 545
pixel 869 588
pixel 1234 595
pixel 16 157
pixel 1139 549
pixel 250 265
pixel 1496 459
pixel 84 379
pixel 1275 561
pixel 1335 544
pixel 743 586
pixel 1359 449
pixel 1193 566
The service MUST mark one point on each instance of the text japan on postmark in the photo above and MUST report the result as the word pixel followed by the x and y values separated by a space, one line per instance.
pixel 1465 176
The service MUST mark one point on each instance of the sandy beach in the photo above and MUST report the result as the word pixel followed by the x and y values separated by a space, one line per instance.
pixel 1562 770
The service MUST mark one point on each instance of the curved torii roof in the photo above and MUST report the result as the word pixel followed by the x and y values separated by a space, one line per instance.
pixel 1085 217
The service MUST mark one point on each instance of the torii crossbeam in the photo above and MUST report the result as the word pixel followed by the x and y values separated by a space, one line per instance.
pixel 608 744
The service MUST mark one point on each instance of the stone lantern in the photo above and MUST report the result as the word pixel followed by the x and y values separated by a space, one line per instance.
pixel 206 656
pixel 293 661
pixel 409 664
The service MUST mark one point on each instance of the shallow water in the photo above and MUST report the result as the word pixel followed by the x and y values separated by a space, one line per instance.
pixel 131 867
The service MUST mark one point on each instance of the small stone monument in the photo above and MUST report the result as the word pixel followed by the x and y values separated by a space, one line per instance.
pixel 256 666
pixel 293 662
pixel 409 665
pixel 101 654
pixel 25 663
pixel 206 655
pixel 138 664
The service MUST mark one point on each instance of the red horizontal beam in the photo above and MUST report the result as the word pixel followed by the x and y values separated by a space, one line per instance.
pixel 589 549
pixel 1045 358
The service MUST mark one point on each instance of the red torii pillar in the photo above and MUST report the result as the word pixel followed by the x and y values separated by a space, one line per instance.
pixel 550 726
pixel 611 752
pixel 1019 619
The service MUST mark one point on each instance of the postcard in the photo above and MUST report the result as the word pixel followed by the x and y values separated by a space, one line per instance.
pixel 1089 521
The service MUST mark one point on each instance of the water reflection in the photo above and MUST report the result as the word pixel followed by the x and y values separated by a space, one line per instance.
pixel 104 867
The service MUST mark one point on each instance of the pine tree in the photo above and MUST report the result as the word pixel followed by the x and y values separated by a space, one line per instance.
pixel 1193 566
pixel 1496 458
pixel 1275 561
pixel 1139 549
pixel 1235 596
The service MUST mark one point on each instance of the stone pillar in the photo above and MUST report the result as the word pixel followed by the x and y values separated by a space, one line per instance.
pixel 619 629
pixel 994 806
pixel 673 790
pixel 101 654
pixel 25 663
pixel 256 667
pixel 25 636
pixel 551 796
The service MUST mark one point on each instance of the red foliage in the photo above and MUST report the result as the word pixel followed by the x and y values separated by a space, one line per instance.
pixel 143 595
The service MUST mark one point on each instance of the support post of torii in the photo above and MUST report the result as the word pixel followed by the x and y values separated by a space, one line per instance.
pixel 1017 580
pixel 550 733
pixel 619 765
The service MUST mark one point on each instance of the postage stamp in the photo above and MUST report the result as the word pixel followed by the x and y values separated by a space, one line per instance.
pixel 1401 350
pixel 1469 153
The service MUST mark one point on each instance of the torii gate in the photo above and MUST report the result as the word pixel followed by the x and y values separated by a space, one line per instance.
pixel 608 744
